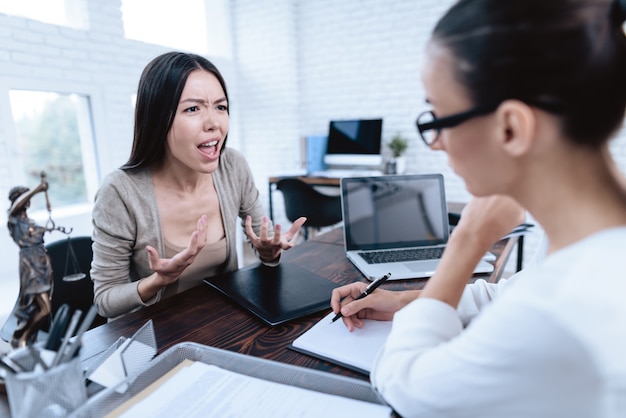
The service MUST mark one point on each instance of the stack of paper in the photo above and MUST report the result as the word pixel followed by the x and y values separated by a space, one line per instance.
pixel 195 389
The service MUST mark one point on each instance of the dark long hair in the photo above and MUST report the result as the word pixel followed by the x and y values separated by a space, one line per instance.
pixel 160 87
pixel 566 56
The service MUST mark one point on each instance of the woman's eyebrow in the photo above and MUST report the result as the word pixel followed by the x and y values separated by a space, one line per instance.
pixel 201 101
pixel 192 100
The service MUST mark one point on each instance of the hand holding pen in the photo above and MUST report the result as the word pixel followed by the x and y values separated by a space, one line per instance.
pixel 369 289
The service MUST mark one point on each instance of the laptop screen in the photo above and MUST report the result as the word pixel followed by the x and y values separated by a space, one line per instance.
pixel 394 211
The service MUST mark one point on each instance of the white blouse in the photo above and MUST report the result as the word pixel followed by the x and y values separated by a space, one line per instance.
pixel 549 342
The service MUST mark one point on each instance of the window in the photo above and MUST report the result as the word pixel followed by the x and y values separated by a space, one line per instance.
pixel 70 13
pixel 54 135
pixel 180 25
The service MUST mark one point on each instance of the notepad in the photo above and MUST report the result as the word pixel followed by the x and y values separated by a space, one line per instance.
pixel 276 294
pixel 331 341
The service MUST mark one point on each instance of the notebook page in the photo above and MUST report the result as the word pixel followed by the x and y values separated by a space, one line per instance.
pixel 332 341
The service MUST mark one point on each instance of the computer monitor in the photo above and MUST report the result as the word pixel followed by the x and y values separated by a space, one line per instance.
pixel 354 143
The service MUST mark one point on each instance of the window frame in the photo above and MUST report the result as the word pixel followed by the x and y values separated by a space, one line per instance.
pixel 93 160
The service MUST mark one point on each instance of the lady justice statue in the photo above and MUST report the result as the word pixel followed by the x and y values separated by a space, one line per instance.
pixel 35 271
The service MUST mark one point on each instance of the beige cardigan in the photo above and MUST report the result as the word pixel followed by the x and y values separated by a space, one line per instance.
pixel 126 220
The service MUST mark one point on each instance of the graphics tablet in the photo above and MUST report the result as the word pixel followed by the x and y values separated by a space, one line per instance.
pixel 275 294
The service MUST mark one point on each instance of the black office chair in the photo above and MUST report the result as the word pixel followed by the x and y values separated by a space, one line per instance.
pixel 71 263
pixel 301 199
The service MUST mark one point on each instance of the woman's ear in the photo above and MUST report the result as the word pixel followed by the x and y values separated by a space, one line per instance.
pixel 516 127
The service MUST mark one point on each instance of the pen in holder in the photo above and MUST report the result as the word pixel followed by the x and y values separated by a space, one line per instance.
pixel 37 392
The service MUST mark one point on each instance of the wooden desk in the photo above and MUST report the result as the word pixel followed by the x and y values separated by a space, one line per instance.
pixel 204 316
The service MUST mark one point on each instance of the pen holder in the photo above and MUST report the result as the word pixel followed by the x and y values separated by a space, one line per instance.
pixel 51 393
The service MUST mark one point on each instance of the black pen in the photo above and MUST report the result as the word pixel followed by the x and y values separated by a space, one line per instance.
pixel 66 339
pixel 58 327
pixel 369 289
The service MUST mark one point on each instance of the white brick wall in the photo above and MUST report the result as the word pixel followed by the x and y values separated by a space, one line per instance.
pixel 265 38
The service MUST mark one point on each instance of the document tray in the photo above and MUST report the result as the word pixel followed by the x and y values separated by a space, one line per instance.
pixel 107 400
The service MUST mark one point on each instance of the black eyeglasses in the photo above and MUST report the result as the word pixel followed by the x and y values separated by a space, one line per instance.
pixel 429 125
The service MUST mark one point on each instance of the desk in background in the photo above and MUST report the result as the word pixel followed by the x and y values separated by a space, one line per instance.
pixel 331 177
pixel 204 316
pixel 336 182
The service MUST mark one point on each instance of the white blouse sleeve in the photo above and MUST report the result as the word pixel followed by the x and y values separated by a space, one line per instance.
pixel 431 367
pixel 479 294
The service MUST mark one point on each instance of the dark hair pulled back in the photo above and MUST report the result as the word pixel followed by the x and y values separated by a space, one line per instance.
pixel 566 56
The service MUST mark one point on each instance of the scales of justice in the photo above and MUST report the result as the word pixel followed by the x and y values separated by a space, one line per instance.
pixel 33 306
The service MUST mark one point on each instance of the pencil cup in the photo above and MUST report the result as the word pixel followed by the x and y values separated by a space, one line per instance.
pixel 51 393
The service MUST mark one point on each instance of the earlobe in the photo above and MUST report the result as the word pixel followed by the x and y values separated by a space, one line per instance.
pixel 517 126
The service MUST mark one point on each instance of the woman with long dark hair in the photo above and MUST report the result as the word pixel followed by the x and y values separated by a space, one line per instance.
pixel 167 218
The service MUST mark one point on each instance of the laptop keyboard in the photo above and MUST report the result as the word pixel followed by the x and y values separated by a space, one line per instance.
pixel 394 256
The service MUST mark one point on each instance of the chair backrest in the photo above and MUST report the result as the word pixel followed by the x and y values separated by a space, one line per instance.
pixel 78 294
pixel 301 199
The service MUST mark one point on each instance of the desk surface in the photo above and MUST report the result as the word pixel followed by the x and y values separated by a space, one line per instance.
pixel 202 315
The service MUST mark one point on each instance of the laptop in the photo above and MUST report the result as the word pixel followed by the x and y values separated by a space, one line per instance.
pixel 396 224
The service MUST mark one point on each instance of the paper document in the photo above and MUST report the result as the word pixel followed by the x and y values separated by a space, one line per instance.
pixel 112 371
pixel 196 389
pixel 333 342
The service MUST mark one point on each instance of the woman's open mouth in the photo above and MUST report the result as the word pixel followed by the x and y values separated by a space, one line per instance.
pixel 209 148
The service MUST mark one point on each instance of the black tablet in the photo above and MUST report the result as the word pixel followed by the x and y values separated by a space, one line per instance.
pixel 275 294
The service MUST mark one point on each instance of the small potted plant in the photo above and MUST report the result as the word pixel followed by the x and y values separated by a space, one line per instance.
pixel 398 145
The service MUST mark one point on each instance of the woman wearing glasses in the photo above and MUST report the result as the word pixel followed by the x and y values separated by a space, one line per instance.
pixel 524 97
